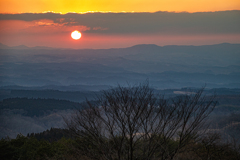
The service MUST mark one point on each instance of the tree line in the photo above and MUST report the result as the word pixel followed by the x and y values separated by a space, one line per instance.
pixel 132 123
pixel 37 107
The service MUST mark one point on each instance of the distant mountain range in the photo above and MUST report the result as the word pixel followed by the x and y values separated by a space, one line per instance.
pixel 165 67
pixel 2 46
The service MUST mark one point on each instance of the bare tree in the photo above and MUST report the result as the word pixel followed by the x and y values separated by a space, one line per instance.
pixel 127 123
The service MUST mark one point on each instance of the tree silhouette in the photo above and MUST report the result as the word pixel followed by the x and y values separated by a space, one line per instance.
pixel 127 123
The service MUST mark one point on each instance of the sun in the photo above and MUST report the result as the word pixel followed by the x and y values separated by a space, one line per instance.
pixel 76 35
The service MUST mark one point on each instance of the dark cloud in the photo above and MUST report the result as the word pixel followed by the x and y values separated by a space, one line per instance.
pixel 223 22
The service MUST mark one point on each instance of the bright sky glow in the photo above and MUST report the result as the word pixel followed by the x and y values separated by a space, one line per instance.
pixel 110 30
pixel 65 6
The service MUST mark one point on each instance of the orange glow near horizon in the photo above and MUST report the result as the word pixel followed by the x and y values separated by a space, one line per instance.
pixel 49 33
pixel 65 6
pixel 94 41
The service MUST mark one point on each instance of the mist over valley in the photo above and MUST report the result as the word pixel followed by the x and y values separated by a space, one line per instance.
pixel 164 67
pixel 41 85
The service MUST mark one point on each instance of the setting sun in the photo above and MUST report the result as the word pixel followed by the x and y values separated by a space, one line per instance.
pixel 76 35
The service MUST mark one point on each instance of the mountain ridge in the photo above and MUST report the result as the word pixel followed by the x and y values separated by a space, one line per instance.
pixel 139 46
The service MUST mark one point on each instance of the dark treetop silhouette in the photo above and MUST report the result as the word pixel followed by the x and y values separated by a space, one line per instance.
pixel 127 123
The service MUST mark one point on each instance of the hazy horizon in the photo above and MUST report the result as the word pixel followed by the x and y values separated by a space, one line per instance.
pixel 22 46
pixel 120 30
pixel 165 67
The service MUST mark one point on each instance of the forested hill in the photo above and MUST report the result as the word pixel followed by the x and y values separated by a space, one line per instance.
pixel 37 107
pixel 75 96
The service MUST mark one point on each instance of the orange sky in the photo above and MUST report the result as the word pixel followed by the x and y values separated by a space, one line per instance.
pixel 33 33
pixel 115 30
pixel 64 6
